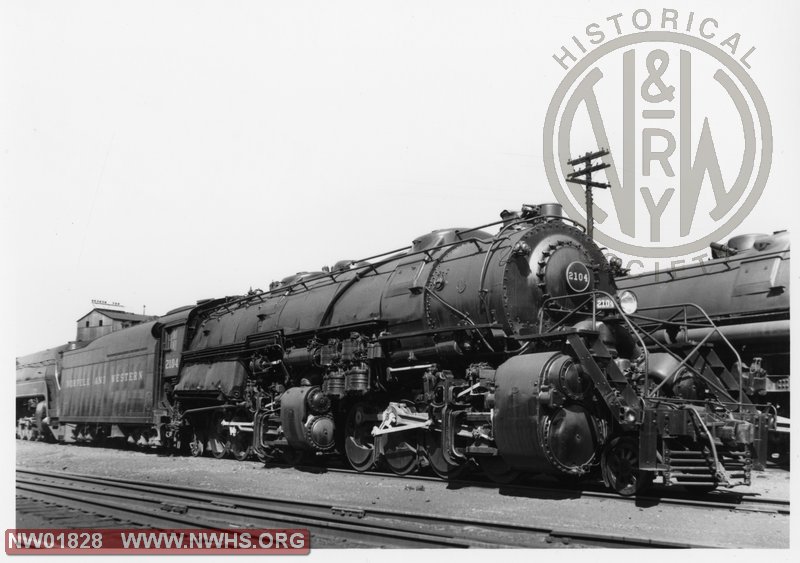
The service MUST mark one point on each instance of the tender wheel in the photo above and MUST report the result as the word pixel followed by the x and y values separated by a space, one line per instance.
pixel 497 470
pixel 197 444
pixel 620 467
pixel 90 434
pixel 96 435
pixel 135 435
pixel 400 452
pixel 359 443
pixel 43 430
pixel 218 438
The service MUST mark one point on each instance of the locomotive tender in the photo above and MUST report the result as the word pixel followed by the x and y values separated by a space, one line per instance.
pixel 510 351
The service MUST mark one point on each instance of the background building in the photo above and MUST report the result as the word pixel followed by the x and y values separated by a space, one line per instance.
pixel 99 322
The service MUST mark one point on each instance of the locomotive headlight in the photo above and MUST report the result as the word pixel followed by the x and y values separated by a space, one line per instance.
pixel 628 302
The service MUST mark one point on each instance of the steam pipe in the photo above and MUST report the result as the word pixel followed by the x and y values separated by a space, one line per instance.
pixel 740 333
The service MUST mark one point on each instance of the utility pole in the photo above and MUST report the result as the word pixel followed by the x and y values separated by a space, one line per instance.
pixel 584 178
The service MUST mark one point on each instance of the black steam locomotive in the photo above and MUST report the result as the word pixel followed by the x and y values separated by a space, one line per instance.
pixel 512 352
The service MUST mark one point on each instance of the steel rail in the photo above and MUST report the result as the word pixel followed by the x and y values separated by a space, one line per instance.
pixel 148 505
pixel 389 526
pixel 723 499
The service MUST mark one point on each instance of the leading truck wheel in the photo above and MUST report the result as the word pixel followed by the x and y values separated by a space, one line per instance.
pixel 359 443
pixel 620 467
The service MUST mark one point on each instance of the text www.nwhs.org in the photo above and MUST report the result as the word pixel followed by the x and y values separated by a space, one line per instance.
pixel 132 541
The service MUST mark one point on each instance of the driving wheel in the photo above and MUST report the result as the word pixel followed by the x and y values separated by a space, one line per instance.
pixel 400 452
pixel 217 437
pixel 436 461
pixel 359 443
pixel 240 443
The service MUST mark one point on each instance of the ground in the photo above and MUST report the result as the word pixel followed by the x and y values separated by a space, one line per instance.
pixel 502 504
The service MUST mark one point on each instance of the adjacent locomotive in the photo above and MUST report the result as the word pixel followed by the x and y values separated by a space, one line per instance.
pixel 510 351
pixel 744 288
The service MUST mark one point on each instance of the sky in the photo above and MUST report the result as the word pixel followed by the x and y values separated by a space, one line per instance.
pixel 157 153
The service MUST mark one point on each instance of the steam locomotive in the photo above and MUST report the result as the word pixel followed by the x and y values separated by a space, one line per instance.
pixel 511 352
pixel 744 289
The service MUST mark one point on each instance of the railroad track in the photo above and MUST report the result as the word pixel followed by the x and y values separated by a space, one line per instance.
pixel 658 495
pixel 169 506
pixel 535 486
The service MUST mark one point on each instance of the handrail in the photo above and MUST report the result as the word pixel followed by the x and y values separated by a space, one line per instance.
pixel 670 352
pixel 636 330
pixel 715 329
